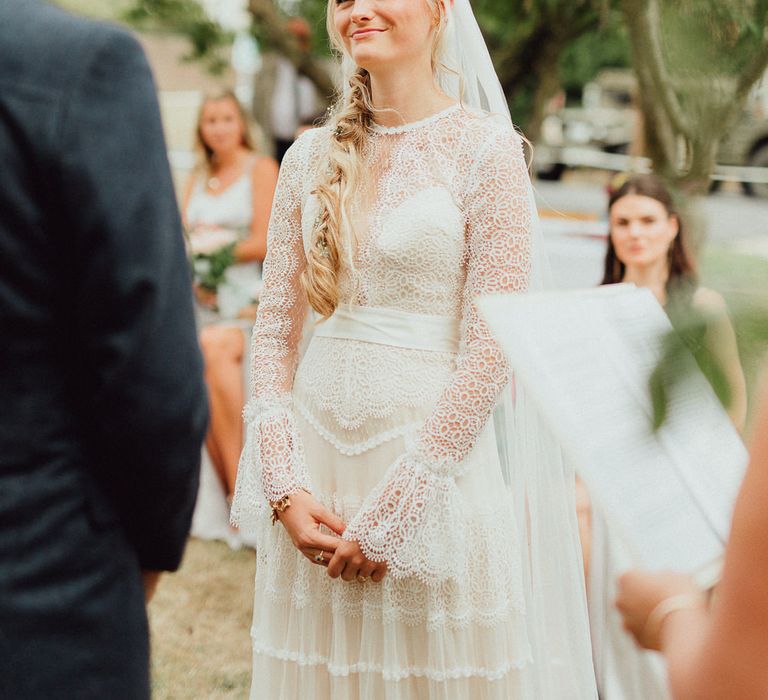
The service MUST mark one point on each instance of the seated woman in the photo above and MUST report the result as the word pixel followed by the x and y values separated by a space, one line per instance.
pixel 647 247
pixel 230 196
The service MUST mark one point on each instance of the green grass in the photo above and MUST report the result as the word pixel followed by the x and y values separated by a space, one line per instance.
pixel 200 620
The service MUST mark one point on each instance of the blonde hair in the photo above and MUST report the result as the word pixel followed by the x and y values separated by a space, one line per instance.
pixel 350 121
pixel 205 152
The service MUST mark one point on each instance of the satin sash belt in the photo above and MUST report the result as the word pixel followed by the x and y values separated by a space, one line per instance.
pixel 401 329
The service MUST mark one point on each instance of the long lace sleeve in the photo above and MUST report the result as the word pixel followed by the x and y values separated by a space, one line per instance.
pixel 272 462
pixel 413 518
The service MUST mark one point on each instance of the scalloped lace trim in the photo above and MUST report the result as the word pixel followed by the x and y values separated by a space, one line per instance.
pixel 272 463
pixel 436 621
pixel 393 674
pixel 486 596
pixel 353 449
pixel 353 382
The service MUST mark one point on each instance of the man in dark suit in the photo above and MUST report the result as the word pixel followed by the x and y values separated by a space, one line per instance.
pixel 102 405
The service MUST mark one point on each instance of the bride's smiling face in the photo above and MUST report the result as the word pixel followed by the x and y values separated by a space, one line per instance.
pixel 381 33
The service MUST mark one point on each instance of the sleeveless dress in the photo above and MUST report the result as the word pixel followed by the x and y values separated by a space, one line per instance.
pixel 385 420
pixel 231 210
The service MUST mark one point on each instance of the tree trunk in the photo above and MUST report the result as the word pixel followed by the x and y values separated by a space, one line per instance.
pixel 659 139
pixel 546 71
pixel 534 61
pixel 676 113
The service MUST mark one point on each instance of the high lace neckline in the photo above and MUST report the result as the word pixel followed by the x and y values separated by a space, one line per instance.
pixel 412 126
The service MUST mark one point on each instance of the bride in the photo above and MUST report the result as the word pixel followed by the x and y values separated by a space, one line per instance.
pixel 426 542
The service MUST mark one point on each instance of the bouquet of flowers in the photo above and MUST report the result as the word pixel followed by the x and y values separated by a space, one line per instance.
pixel 211 252
pixel 232 290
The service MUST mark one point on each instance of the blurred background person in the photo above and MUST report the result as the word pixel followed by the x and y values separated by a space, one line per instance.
pixel 283 99
pixel 227 202
pixel 718 653
pixel 647 247
pixel 104 406
pixel 315 121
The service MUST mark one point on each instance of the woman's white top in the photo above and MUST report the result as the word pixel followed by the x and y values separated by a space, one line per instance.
pixel 231 209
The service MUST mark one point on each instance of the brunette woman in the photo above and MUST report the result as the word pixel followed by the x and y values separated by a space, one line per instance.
pixel 647 247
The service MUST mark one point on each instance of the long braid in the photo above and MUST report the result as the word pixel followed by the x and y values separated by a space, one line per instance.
pixel 352 122
pixel 338 184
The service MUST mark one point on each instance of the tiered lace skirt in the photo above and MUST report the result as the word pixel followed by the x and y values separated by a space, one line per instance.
pixel 315 637
pixel 319 638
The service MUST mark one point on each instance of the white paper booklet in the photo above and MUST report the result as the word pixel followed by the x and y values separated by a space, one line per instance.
pixel 585 358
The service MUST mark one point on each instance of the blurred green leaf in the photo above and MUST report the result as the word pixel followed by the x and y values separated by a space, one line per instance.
pixel 682 344
pixel 186 17
pixel 742 280
pixel 686 341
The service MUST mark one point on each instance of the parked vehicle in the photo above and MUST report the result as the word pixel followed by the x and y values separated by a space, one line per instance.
pixel 607 121
pixel 746 143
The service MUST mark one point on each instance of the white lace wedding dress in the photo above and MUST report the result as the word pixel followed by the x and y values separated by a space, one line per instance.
pixel 386 421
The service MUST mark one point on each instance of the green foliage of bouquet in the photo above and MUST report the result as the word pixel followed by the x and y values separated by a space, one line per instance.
pixel 211 253
pixel 209 270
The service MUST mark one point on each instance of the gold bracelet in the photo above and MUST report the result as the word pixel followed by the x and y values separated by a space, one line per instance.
pixel 281 505
pixel 684 601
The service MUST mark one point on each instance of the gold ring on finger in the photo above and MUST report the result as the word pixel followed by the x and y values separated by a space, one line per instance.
pixel 362 579
pixel 319 558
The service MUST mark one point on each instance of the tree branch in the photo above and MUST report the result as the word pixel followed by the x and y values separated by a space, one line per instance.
pixel 642 18
pixel 754 71
pixel 267 16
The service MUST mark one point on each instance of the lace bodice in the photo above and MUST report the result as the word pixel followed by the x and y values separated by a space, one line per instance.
pixel 443 216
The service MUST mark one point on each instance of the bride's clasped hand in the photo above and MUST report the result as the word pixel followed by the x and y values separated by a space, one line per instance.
pixel 303 521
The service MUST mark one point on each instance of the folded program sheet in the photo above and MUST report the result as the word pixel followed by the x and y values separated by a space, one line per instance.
pixel 585 359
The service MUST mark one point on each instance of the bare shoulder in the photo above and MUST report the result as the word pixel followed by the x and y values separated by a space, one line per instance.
pixel 189 186
pixel 709 302
pixel 264 167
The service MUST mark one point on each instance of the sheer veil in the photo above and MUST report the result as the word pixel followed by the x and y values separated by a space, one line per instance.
pixel 540 482
pixel 468 75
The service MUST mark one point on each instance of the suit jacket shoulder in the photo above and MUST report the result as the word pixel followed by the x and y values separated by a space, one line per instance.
pixel 46 55
pixel 46 49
